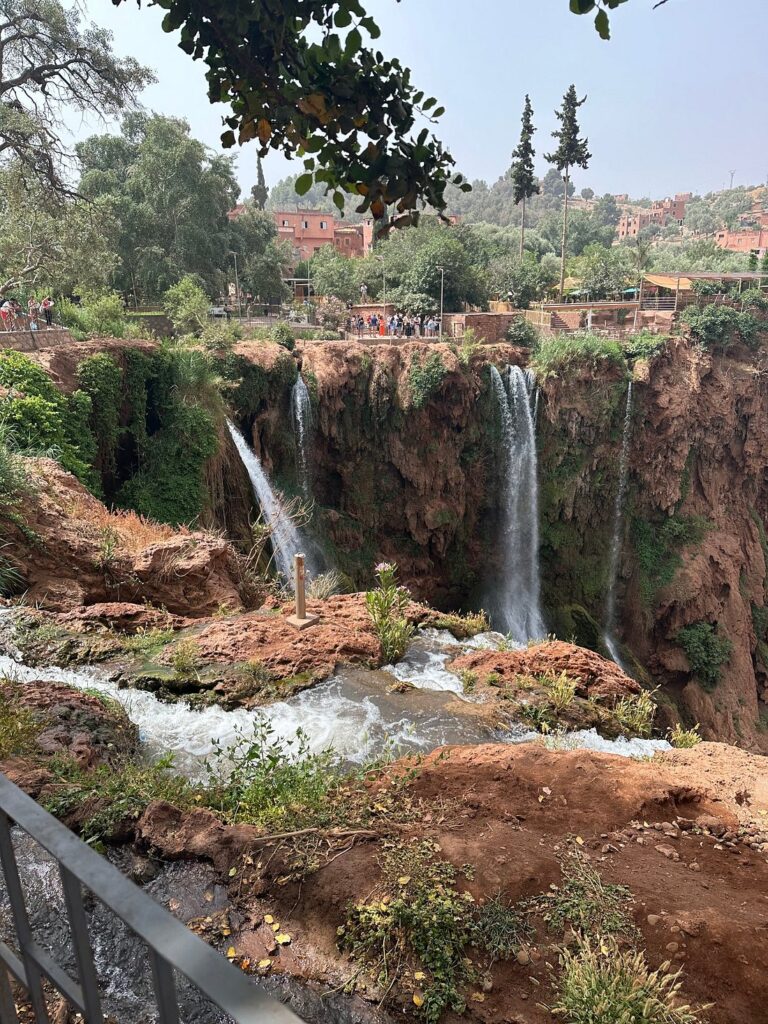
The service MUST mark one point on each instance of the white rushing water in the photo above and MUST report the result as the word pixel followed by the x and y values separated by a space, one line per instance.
pixel 301 409
pixel 516 599
pixel 287 540
pixel 618 519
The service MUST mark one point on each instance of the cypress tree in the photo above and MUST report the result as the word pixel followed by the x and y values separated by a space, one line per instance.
pixel 764 263
pixel 571 152
pixel 260 192
pixel 524 181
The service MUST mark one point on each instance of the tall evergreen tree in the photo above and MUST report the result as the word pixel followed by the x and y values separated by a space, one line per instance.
pixel 524 181
pixel 571 152
pixel 260 192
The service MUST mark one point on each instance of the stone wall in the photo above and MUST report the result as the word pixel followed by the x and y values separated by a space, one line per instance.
pixel 33 341
pixel 489 327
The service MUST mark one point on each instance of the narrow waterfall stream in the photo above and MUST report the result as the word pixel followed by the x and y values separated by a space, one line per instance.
pixel 515 605
pixel 301 408
pixel 287 540
pixel 618 521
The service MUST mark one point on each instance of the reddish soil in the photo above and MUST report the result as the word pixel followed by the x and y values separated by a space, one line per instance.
pixel 679 832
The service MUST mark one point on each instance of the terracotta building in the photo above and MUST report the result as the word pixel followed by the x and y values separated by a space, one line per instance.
pixel 753 240
pixel 309 230
pixel 661 212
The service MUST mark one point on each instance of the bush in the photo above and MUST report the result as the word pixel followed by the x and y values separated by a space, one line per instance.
pixel 96 316
pixel 644 345
pixel 684 738
pixel 585 902
pixel 522 332
pixel 570 351
pixel 19 728
pixel 187 306
pixel 705 650
pixel 635 714
pixel 101 379
pixel 716 326
pixel 387 606
pixel 424 379
pixel 283 334
pixel 271 782
pixel 658 549
pixel 755 298
pixel 601 983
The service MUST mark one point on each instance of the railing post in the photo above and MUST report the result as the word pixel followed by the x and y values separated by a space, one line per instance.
pixel 7 1006
pixel 21 921
pixel 165 989
pixel 300 620
pixel 73 899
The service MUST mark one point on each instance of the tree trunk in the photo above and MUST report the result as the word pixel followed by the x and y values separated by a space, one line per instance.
pixel 522 232
pixel 565 236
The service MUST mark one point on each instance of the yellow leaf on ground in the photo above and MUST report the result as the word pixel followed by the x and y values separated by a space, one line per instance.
pixel 418 999
pixel 404 880
pixel 478 997
pixel 232 872
pixel 264 964
pixel 283 939
pixel 231 952
pixel 579 840
pixel 276 927
pixel 419 975
pixel 268 919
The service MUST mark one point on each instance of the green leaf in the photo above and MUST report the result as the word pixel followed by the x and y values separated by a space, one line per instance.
pixel 228 140
pixel 338 199
pixel 582 6
pixel 438 112
pixel 602 25
pixel 303 184
pixel 342 18
pixel 353 43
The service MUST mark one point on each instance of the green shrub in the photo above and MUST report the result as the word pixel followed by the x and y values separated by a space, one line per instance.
pixel 684 738
pixel 755 298
pixel 500 930
pixel 101 379
pixel 185 658
pixel 424 379
pixel 423 918
pixel 717 326
pixel 602 983
pixel 101 316
pixel 585 902
pixel 561 690
pixel 705 650
pixel 644 345
pixel 658 549
pixel 635 713
pixel 187 306
pixel 284 335
pixel 566 352
pixel 470 344
pixel 387 606
pixel 522 332
pixel 19 728
pixel 468 680
pixel 274 783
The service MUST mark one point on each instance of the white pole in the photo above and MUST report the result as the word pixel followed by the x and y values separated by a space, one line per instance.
pixel 442 290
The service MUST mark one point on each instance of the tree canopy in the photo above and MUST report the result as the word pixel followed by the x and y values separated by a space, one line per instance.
pixel 51 61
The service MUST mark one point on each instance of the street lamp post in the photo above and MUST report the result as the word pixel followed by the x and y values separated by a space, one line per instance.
pixel 384 289
pixel 442 292
pixel 237 286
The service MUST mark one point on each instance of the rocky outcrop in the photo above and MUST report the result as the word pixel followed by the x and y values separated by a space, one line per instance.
pixel 71 551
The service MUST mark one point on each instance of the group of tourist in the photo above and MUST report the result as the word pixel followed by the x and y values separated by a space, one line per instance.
pixel 394 326
pixel 14 319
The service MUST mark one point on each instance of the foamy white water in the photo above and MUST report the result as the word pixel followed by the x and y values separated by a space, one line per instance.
pixel 301 407
pixel 618 519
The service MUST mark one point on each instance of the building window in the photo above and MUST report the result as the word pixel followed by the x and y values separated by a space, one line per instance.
pixel 285 223
pixel 305 224
pixel 323 225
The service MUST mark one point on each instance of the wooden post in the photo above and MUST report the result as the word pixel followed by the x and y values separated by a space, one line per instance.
pixel 301 620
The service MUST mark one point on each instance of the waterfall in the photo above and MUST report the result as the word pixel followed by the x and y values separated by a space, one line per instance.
pixel 286 538
pixel 301 407
pixel 516 601
pixel 618 518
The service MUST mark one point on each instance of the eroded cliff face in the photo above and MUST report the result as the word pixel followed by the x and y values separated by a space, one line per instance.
pixel 403 459
pixel 693 553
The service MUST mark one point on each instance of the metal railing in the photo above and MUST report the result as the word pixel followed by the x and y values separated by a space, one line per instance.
pixel 169 944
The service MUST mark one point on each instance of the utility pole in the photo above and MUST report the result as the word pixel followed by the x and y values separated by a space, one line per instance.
pixel 732 174
pixel 442 291
pixel 237 286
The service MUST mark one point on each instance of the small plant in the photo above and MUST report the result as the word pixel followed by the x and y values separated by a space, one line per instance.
pixel 326 585
pixel 561 690
pixel 705 650
pixel 419 917
pixel 146 642
pixel 470 344
pixel 560 354
pixel 256 673
pixel 684 738
pixel 387 606
pixel 601 983
pixel 635 713
pixel 536 716
pixel 494 679
pixel 185 658
pixel 11 580
pixel 272 782
pixel 585 902
pixel 461 626
pixel 18 727
pixel 108 545
pixel 500 930
pixel 468 680
pixel 507 643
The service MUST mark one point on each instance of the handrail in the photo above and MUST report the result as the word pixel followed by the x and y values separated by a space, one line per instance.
pixel 170 944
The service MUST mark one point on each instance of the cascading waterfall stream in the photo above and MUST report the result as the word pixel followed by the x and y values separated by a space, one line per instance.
pixel 517 600
pixel 618 520
pixel 301 408
pixel 286 538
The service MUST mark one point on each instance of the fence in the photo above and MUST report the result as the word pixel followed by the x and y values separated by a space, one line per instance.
pixel 169 944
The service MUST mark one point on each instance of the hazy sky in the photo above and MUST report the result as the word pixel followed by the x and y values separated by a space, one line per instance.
pixel 676 100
